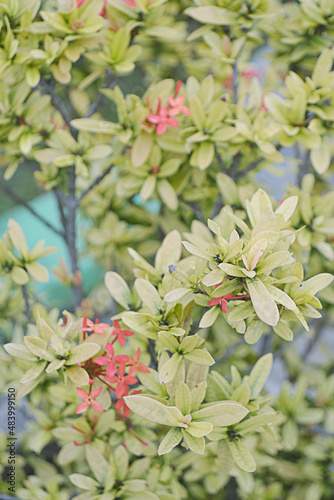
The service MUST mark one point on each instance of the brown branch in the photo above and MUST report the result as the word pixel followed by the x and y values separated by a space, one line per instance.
pixel 26 303
pixel 71 206
pixel 110 82
pixel 153 354
pixel 95 183
pixel 49 87
pixel 15 197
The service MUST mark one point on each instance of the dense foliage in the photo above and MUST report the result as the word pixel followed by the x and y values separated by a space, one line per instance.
pixel 155 121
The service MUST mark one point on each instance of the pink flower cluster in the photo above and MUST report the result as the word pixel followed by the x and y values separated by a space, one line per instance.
pixel 110 369
pixel 163 116
pixel 223 301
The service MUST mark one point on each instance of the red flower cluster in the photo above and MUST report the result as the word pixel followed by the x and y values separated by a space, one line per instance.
pixel 223 301
pixel 110 369
pixel 162 117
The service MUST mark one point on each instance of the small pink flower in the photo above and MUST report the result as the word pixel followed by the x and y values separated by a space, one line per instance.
pixel 90 326
pixel 89 400
pixel 120 333
pixel 136 365
pixel 122 381
pixel 162 120
pixel 222 301
pixel 111 360
pixel 250 74
pixel 122 404
pixel 177 106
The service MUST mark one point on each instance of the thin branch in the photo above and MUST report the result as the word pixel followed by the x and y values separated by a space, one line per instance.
pixel 15 197
pixel 304 167
pixel 61 201
pixel 110 82
pixel 251 166
pixel 221 162
pixel 235 82
pixel 26 302
pixel 94 183
pixel 71 232
pixel 314 340
pixel 153 354
pixel 217 207
pixel 230 350
pixel 197 211
pixel 58 103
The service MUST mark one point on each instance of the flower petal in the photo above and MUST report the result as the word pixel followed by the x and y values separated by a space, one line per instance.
pixel 82 407
pixel 81 393
pixel 97 406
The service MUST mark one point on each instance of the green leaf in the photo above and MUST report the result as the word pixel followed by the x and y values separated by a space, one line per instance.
pixel 82 352
pixel 290 435
pixel 78 375
pixel 17 236
pixel 197 395
pixel 27 388
pixel 209 317
pixel 177 294
pixel 172 439
pixel 288 207
pixel 321 158
pixel 38 347
pixel 141 149
pixel 211 15
pixel 121 458
pixel 197 112
pixel 167 194
pixel 199 429
pixel 281 297
pixel 98 126
pixel 254 331
pixel 183 398
pixel 38 272
pixel 169 369
pixel 313 285
pixel 259 374
pixel 256 423
pixel 196 445
pixel 33 372
pixel 264 305
pixel 242 394
pixel 283 330
pixel 118 289
pixel 242 455
pixel 19 351
pixel 19 275
pixel 153 410
pixel 97 463
pixel 201 357
pixel 194 250
pixel 241 311
pixel 83 482
pixel 148 294
pixel 322 67
pixel 221 414
pixel 205 154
